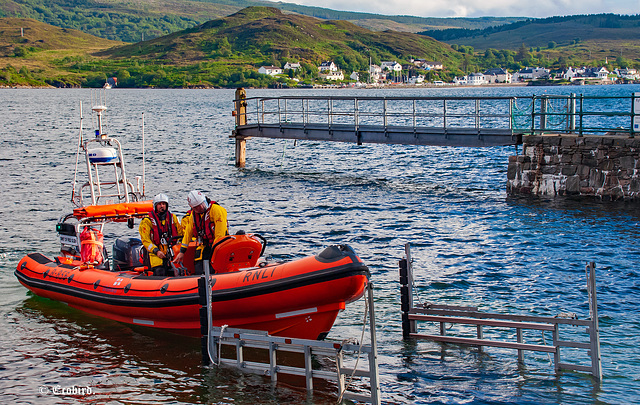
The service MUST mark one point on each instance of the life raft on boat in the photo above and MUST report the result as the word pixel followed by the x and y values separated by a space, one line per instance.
pixel 299 299
pixel 117 212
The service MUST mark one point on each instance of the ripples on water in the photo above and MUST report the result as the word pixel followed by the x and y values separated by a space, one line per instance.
pixel 471 244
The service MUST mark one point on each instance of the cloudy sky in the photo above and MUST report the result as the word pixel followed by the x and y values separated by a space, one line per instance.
pixel 479 8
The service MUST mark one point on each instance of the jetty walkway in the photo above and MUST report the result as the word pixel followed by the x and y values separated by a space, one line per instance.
pixel 586 142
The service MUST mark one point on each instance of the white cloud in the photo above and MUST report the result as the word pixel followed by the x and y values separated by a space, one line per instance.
pixel 478 8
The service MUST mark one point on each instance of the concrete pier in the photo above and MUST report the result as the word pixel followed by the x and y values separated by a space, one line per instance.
pixel 607 166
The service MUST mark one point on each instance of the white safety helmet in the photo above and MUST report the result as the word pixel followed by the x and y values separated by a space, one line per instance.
pixel 160 198
pixel 195 198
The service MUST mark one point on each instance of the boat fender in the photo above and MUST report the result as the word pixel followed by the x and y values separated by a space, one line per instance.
pixel 70 278
pixel 127 288
pixel 96 284
pixel 164 288
pixel 44 275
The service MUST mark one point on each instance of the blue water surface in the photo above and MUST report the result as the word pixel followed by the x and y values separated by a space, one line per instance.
pixel 471 245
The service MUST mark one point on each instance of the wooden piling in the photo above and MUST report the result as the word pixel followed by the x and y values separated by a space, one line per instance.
pixel 241 119
pixel 406 299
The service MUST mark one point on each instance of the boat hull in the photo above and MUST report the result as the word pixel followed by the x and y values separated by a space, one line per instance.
pixel 298 299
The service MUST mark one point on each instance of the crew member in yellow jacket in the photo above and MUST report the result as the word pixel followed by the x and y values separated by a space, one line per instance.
pixel 206 222
pixel 159 232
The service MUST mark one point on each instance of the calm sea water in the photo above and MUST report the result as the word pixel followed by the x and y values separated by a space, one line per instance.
pixel 472 245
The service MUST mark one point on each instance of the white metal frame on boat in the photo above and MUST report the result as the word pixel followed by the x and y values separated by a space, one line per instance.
pixel 97 187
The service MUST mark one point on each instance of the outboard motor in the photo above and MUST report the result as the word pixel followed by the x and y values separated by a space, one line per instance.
pixel 127 254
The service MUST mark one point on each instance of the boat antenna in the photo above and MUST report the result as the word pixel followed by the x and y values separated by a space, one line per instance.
pixel 75 174
pixel 143 183
pixel 99 106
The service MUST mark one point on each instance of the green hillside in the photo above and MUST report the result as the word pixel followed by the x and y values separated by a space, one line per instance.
pixel 227 52
pixel 267 36
pixel 131 21
pixel 34 54
pixel 561 31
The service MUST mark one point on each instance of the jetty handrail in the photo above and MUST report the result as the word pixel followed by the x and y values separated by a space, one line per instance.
pixel 563 114
pixel 580 114
pixel 352 111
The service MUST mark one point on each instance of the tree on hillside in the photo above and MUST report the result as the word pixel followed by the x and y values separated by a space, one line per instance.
pixel 522 54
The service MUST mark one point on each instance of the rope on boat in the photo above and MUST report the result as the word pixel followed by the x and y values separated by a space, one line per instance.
pixel 355 367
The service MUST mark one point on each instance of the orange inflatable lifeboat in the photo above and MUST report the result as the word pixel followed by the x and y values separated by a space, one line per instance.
pixel 300 299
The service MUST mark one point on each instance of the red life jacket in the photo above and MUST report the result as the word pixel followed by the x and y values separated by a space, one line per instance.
pixel 205 228
pixel 91 246
pixel 162 234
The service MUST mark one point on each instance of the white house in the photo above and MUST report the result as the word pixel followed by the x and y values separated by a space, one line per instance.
pixel 392 66
pixel 416 79
pixel 476 79
pixel 375 73
pixel 497 75
pixel 460 80
pixel 270 70
pixel 598 72
pixel 427 65
pixel 355 76
pixel 530 74
pixel 291 65
pixel 328 66
pixel 332 75
pixel 570 74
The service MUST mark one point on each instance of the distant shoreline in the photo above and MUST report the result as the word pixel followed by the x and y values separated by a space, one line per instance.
pixel 340 87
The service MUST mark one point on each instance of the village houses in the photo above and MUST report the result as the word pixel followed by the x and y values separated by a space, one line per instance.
pixel 427 65
pixel 529 73
pixel 583 73
pixel 627 74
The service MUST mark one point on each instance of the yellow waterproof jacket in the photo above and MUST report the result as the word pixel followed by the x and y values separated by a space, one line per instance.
pixel 217 215
pixel 145 235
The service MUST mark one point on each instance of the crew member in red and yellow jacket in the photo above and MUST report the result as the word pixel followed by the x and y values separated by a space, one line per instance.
pixel 159 232
pixel 206 222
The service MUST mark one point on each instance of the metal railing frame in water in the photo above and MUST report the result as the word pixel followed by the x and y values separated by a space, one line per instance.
pixel 470 316
pixel 240 339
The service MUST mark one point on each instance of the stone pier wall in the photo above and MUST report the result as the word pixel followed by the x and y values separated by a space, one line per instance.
pixel 607 167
